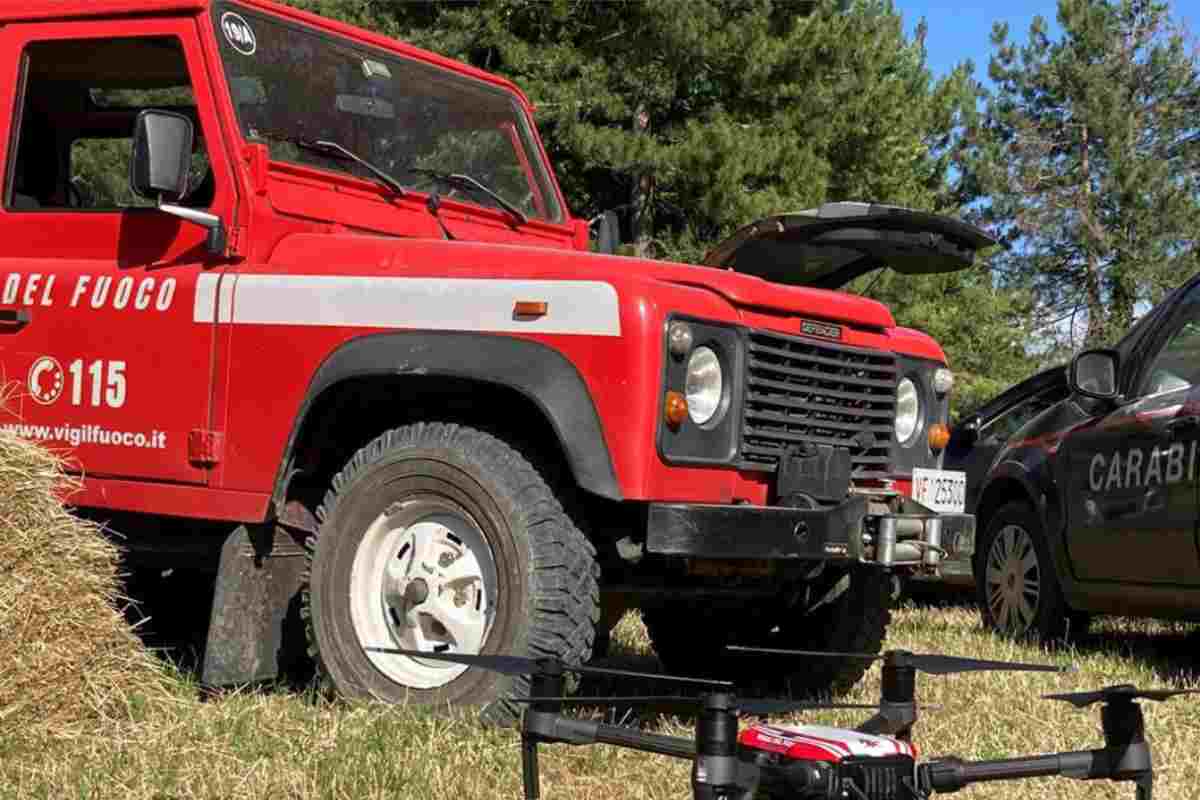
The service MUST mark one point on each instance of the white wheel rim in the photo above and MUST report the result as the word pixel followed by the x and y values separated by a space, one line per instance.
pixel 1013 579
pixel 423 578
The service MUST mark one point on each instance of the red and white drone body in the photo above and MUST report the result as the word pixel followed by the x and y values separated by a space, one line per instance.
pixel 821 743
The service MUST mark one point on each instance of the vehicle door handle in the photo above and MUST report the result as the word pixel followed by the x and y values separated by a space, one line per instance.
pixel 15 318
pixel 1181 425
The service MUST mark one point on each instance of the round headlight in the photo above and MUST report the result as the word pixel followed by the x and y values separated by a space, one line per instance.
pixel 704 385
pixel 943 380
pixel 908 410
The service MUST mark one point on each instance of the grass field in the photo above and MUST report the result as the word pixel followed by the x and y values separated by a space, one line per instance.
pixel 280 744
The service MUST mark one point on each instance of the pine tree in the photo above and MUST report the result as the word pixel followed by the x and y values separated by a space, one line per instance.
pixel 1086 161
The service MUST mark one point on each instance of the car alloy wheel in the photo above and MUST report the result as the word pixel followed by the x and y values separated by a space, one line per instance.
pixel 1013 580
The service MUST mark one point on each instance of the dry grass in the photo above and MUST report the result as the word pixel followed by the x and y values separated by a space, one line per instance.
pixel 84 712
pixel 67 657
pixel 280 745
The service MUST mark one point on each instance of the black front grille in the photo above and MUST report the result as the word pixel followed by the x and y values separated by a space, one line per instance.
pixel 803 390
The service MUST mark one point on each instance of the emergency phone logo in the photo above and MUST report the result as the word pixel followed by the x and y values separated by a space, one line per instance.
pixel 238 33
pixel 46 380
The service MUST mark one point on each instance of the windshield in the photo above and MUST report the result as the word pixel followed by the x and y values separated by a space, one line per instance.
pixel 398 114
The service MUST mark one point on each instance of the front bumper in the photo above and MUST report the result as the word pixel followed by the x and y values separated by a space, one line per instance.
pixel 917 538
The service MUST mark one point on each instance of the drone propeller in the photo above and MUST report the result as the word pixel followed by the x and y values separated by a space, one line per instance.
pixel 931 663
pixel 750 707
pixel 1123 692
pixel 519 665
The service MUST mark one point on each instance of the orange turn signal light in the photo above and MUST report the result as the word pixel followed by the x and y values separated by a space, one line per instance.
pixel 939 436
pixel 675 409
pixel 530 309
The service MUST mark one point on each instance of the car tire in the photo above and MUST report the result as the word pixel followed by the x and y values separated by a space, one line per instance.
pixel 843 611
pixel 1016 585
pixel 438 536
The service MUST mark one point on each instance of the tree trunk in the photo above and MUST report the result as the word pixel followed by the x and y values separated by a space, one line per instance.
pixel 640 197
pixel 1096 318
pixel 1121 307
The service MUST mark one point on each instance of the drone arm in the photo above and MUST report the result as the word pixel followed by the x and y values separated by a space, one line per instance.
pixel 1131 763
pixel 553 728
pixel 952 774
pixel 646 742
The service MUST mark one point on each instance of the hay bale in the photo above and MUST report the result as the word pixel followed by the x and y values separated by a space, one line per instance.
pixel 67 656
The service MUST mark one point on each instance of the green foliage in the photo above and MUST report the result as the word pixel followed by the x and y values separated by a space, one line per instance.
pixel 1086 161
pixel 982 328
pixel 100 167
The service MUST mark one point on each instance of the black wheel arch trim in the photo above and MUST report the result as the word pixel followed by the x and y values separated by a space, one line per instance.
pixel 540 373
pixel 1039 491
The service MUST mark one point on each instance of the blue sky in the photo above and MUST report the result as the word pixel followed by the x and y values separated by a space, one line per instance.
pixel 958 31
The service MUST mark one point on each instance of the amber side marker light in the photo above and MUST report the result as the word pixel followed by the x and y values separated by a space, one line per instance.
pixel 530 309
pixel 939 436
pixel 675 409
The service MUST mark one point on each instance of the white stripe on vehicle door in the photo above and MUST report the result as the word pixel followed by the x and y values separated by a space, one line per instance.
pixel 446 304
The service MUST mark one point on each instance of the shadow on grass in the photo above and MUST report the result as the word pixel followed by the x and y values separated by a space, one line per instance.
pixel 170 610
pixel 170 613
pixel 1171 650
pixel 936 595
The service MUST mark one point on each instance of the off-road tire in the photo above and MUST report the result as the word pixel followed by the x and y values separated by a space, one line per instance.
pixel 847 611
pixel 1052 619
pixel 547 598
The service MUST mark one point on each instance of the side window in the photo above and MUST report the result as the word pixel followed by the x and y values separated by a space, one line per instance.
pixel 75 130
pixel 1177 363
pixel 1003 427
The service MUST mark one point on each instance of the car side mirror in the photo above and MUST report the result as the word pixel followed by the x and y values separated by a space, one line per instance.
pixel 1093 373
pixel 158 169
pixel 162 153
pixel 608 232
pixel 968 431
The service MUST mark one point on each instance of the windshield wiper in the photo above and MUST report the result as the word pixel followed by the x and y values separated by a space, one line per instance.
pixel 469 184
pixel 336 150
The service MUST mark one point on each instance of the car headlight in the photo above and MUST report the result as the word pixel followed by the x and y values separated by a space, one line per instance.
pixel 943 380
pixel 704 385
pixel 908 410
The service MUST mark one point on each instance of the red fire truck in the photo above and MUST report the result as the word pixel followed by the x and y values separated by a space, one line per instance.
pixel 305 306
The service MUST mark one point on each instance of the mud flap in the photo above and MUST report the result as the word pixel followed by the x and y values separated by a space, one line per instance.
pixel 255 632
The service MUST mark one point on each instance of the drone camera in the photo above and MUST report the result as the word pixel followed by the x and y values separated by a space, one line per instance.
pixel 855 778
pixel 782 778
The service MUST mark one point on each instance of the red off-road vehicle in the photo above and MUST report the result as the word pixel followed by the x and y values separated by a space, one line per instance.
pixel 306 306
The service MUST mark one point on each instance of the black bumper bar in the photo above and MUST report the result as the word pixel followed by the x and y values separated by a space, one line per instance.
pixel 846 532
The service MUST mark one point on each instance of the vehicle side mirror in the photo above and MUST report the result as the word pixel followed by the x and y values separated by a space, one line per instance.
pixel 158 170
pixel 162 153
pixel 608 232
pixel 968 431
pixel 1093 373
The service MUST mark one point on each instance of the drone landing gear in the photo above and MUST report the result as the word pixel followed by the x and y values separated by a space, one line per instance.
pixel 898 711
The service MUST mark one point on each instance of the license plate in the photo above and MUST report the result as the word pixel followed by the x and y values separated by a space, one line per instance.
pixel 940 490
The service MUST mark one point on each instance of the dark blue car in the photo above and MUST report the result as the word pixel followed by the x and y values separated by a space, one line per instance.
pixel 976 440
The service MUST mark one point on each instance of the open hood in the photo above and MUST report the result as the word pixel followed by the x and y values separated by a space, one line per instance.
pixel 830 246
